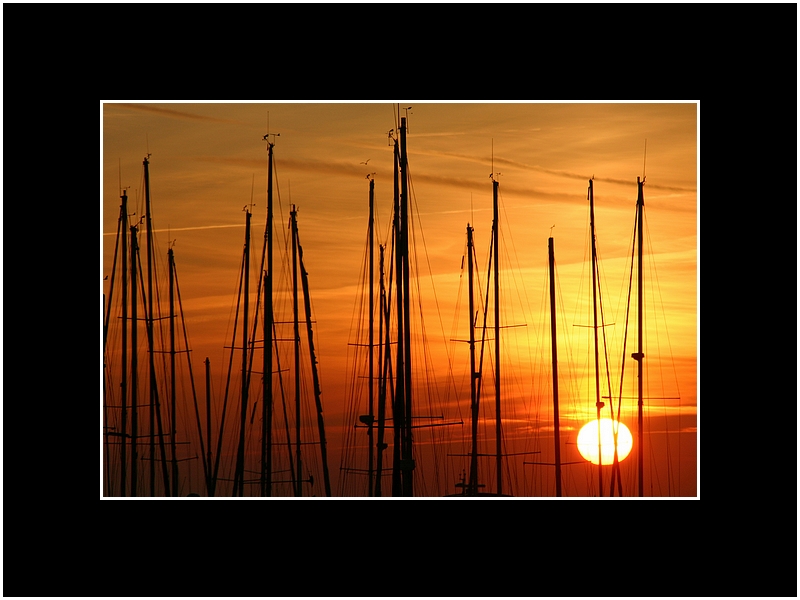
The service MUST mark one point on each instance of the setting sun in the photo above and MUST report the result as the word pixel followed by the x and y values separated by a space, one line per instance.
pixel 588 446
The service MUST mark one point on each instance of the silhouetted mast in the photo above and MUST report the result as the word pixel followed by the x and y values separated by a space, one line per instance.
pixel 134 368
pixel 384 361
pixel 314 371
pixel 556 426
pixel 403 473
pixel 124 382
pixel 299 479
pixel 238 489
pixel 408 453
pixel 266 421
pixel 173 386
pixel 498 422
pixel 149 225
pixel 155 404
pixel 639 355
pixel 371 410
pixel 398 405
pixel 472 488
pixel 598 403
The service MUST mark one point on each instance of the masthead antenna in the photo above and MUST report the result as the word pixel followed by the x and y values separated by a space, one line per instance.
pixel 645 160
pixel 266 135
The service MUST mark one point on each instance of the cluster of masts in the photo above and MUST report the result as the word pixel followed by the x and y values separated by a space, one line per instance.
pixel 395 364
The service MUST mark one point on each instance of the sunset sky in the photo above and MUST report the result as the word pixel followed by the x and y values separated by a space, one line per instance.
pixel 208 161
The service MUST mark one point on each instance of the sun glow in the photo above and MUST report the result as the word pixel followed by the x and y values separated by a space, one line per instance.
pixel 588 446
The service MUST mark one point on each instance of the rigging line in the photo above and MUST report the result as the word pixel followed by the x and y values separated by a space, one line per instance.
pixel 154 383
pixel 315 369
pixel 283 402
pixel 228 379
pixel 191 374
pixel 485 318
pixel 654 278
pixel 111 282
pixel 625 337
pixel 430 269
pixel 614 423
pixel 426 360
pixel 605 340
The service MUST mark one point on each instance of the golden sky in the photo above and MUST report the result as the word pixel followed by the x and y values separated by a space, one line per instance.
pixel 208 161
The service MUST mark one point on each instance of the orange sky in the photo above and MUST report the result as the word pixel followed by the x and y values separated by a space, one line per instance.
pixel 208 161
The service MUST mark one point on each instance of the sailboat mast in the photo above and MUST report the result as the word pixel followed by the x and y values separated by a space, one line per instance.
pixel 134 366
pixel 124 381
pixel 315 373
pixel 239 475
pixel 173 387
pixel 298 481
pixel 639 355
pixel 472 488
pixel 398 405
pixel 266 421
pixel 598 403
pixel 371 410
pixel 556 426
pixel 407 454
pixel 498 426
pixel 382 379
pixel 152 403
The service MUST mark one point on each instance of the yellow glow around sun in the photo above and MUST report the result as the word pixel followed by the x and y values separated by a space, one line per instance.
pixel 588 447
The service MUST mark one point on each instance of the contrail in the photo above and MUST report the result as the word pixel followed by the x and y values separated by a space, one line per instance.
pixel 188 228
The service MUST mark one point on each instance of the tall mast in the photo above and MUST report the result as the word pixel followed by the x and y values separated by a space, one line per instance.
pixel 266 421
pixel 155 404
pixel 498 426
pixel 598 403
pixel 556 426
pixel 238 488
pixel 314 372
pixel 472 488
pixel 407 454
pixel 398 406
pixel 639 355
pixel 173 387
pixel 371 412
pixel 299 479
pixel 124 382
pixel 383 378
pixel 149 225
pixel 134 367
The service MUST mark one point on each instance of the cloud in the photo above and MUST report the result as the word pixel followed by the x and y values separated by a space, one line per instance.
pixel 168 112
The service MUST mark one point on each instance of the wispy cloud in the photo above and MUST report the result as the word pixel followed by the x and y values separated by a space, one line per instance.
pixel 177 114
